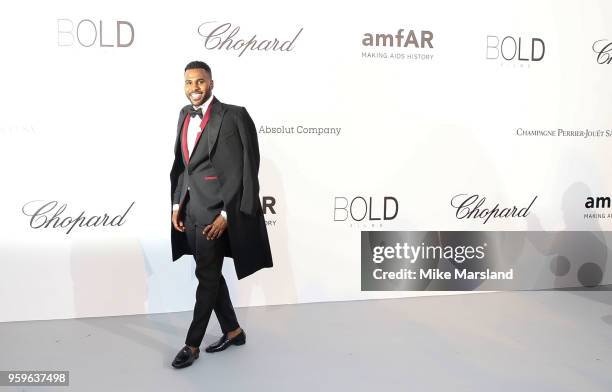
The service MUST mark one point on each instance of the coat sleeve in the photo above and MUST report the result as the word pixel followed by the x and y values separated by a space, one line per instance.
pixel 177 187
pixel 178 169
pixel 249 203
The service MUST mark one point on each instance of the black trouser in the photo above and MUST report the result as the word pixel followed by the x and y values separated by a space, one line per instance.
pixel 212 293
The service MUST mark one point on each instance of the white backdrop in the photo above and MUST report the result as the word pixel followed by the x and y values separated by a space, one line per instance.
pixel 93 128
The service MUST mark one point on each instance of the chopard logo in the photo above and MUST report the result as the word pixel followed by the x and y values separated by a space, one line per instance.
pixel 603 47
pixel 225 36
pixel 471 206
pixel 49 214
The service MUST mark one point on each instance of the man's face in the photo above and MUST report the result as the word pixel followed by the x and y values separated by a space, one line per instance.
pixel 198 86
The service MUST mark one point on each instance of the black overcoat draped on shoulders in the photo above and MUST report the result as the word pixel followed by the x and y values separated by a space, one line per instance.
pixel 234 154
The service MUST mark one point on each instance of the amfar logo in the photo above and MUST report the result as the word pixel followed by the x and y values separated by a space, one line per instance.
pixel 515 48
pixel 603 47
pixel 49 214
pixel 598 202
pixel 87 33
pixel 370 210
pixel 268 204
pixel 471 206
pixel 400 39
pixel 225 36
pixel 394 45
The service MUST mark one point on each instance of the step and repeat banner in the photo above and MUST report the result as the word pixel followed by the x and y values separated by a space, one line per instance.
pixel 393 135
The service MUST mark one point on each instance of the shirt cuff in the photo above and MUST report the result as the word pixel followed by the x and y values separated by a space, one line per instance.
pixel 175 207
pixel 224 214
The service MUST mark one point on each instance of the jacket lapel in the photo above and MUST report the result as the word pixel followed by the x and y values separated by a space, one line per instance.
pixel 211 131
pixel 214 123
pixel 177 143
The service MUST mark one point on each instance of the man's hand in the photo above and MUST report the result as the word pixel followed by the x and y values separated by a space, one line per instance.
pixel 176 222
pixel 214 230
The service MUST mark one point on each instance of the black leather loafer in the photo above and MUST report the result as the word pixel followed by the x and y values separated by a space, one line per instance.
pixel 185 357
pixel 224 342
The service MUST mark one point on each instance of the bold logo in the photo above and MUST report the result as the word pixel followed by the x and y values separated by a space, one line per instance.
pixel 515 48
pixel 365 209
pixel 225 36
pixel 88 33
pixel 603 47
pixel 471 206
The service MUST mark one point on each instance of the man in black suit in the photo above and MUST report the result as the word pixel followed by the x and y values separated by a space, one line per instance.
pixel 216 211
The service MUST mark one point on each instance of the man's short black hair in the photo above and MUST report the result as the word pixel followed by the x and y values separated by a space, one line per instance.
pixel 199 65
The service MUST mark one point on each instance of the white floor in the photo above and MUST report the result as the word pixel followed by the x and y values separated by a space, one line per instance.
pixel 518 341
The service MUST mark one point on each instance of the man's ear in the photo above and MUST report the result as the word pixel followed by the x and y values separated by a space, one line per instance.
pixel 212 84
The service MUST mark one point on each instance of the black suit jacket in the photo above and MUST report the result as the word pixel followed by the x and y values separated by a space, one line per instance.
pixel 233 151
